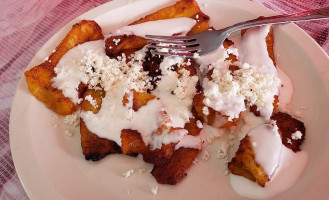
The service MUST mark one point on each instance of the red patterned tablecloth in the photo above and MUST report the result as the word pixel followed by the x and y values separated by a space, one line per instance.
pixel 26 25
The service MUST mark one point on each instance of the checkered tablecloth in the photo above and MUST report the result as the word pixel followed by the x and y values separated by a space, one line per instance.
pixel 26 25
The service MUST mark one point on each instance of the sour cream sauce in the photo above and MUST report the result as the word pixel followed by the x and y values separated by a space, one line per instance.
pixel 113 116
pixel 251 49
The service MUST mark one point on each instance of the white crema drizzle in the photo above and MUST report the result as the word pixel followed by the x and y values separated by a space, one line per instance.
pixel 88 64
pixel 266 143
pixel 291 166
pixel 113 117
pixel 255 82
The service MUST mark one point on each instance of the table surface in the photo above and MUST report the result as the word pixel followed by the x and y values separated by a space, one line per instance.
pixel 26 25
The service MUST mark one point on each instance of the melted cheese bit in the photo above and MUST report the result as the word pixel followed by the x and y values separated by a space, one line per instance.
pixel 166 27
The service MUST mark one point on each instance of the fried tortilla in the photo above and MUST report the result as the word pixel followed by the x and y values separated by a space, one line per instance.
pixel 39 78
pixel 287 126
pixel 244 164
pixel 93 147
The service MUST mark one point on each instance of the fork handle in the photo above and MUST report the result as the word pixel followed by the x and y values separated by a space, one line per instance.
pixel 309 15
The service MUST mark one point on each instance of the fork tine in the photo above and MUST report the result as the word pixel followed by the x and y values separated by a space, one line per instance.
pixel 161 37
pixel 194 48
pixel 186 55
pixel 174 43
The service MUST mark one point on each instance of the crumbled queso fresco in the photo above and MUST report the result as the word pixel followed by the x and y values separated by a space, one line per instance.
pixel 128 173
pixel 118 77
pixel 155 190
pixel 72 120
pixel 244 84
pixel 91 101
pixel 229 91
pixel 225 91
pixel 297 135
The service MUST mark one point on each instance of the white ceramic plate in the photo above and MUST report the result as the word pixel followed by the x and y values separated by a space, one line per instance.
pixel 51 165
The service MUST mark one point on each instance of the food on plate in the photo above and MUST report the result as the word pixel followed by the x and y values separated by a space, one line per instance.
pixel 132 102
pixel 245 164
pixel 288 127
pixel 39 78
pixel 93 147
pixel 183 8
pixel 165 158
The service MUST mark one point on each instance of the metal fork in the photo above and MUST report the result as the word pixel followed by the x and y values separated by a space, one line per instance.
pixel 208 41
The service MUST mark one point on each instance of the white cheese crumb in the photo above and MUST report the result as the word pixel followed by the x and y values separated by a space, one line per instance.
pixel 232 50
pixel 55 117
pixel 289 141
pixel 72 120
pixel 297 135
pixel 196 161
pixel 116 41
pixel 188 63
pixel 155 190
pixel 205 110
pixel 226 172
pixel 204 5
pixel 273 122
pixel 186 85
pixel 275 127
pixel 196 55
pixel 68 133
pixel 91 100
pixel 228 91
pixel 94 68
pixel 128 173
pixel 199 124
pixel 205 156
pixel 197 16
